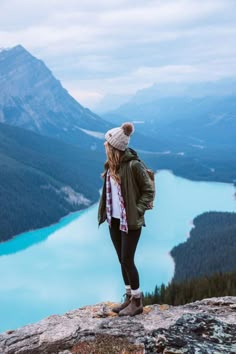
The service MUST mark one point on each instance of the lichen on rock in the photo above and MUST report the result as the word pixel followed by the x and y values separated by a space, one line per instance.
pixel 205 326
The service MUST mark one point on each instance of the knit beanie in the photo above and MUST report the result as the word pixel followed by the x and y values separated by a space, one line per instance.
pixel 119 137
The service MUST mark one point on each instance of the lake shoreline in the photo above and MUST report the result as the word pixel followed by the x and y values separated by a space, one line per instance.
pixel 87 208
pixel 197 248
pixel 42 271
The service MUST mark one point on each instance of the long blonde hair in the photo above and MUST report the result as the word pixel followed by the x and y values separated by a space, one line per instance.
pixel 114 157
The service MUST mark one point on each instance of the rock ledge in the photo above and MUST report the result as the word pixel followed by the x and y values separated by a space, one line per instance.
pixel 204 326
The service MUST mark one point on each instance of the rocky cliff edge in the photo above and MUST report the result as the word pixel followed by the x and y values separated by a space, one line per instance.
pixel 205 326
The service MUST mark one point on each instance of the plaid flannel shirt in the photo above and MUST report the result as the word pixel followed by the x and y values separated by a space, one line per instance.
pixel 123 218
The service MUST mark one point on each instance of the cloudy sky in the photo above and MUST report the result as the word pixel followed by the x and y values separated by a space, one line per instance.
pixel 116 47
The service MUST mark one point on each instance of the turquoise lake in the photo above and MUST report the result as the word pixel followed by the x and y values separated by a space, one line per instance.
pixel 72 263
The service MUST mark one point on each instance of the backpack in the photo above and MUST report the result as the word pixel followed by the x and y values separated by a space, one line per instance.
pixel 151 176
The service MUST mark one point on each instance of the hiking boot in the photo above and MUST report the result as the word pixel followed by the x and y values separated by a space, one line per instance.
pixel 126 302
pixel 135 307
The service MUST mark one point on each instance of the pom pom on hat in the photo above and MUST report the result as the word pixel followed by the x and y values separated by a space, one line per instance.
pixel 119 137
pixel 128 128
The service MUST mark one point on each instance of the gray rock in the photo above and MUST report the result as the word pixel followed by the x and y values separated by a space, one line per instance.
pixel 205 326
pixel 32 98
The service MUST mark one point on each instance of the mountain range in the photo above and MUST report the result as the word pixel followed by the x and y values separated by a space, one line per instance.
pixel 190 121
pixel 52 149
pixel 32 98
pixel 196 121
pixel 219 88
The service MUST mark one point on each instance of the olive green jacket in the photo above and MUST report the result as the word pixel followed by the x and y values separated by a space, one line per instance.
pixel 136 190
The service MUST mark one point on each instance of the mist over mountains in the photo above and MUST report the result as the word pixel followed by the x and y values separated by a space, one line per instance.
pixel 222 87
pixel 33 99
pixel 197 123
pixel 193 116
pixel 52 149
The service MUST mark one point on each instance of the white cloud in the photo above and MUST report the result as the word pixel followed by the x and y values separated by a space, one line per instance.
pixel 119 46
pixel 144 77
pixel 85 97
pixel 162 14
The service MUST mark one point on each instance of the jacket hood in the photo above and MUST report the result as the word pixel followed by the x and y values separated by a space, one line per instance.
pixel 129 155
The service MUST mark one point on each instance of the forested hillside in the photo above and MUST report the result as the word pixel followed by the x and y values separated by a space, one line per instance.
pixel 205 265
pixel 216 165
pixel 43 179
pixel 211 247
pixel 179 293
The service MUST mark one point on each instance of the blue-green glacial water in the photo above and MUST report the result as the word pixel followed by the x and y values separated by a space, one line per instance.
pixel 72 263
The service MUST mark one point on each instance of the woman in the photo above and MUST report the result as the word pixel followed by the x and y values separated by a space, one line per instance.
pixel 126 195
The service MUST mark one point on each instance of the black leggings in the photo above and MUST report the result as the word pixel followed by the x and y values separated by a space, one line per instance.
pixel 125 245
